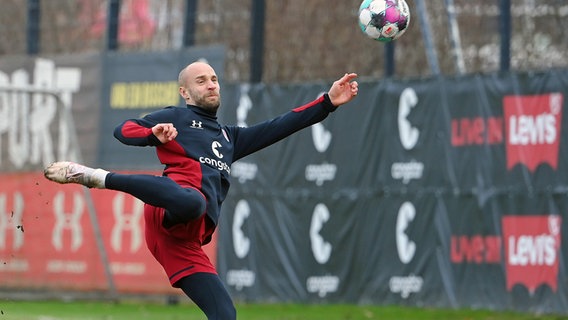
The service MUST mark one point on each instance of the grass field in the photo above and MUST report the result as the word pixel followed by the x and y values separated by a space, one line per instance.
pixel 52 310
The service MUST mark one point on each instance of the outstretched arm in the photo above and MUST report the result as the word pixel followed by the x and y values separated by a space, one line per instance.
pixel 343 90
pixel 254 138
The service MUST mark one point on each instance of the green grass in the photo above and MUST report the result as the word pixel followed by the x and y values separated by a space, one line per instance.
pixel 51 310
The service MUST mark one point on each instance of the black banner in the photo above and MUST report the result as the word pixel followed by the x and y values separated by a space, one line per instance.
pixel 135 84
pixel 447 192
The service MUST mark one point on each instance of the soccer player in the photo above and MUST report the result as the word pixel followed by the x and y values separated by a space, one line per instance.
pixel 182 206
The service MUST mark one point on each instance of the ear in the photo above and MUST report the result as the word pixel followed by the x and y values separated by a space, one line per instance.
pixel 183 93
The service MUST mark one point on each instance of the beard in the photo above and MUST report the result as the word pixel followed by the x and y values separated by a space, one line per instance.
pixel 210 102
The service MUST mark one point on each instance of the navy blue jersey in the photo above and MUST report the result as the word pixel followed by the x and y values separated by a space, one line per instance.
pixel 203 151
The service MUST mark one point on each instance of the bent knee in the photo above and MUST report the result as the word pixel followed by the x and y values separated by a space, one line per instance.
pixel 187 207
pixel 196 208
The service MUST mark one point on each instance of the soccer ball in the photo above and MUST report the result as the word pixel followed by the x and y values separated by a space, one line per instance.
pixel 384 20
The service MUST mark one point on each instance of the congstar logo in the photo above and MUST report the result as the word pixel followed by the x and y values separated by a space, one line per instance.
pixel 218 164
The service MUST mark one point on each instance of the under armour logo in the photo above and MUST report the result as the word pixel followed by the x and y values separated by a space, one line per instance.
pixel 126 222
pixel 67 221
pixel 196 124
pixel 11 220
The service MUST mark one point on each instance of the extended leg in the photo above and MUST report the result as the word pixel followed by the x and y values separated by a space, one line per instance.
pixel 181 204
pixel 210 295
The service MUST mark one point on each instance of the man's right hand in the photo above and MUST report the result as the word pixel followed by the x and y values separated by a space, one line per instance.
pixel 165 132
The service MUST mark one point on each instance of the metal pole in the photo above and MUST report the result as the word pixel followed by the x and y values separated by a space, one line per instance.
pixel 33 38
pixel 389 59
pixel 112 27
pixel 455 36
pixel 425 26
pixel 505 24
pixel 113 294
pixel 257 40
pixel 189 23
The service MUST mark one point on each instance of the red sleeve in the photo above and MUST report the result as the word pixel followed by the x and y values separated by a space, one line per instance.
pixel 132 129
pixel 130 132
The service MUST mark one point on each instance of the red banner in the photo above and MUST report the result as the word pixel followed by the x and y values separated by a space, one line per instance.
pixel 47 239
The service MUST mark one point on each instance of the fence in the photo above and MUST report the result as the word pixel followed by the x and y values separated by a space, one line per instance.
pixel 305 41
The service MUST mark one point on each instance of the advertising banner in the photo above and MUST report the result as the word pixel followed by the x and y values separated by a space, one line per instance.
pixel 51 110
pixel 47 239
pixel 441 192
pixel 447 192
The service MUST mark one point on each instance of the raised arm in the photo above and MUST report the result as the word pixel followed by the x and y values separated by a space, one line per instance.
pixel 152 130
pixel 254 138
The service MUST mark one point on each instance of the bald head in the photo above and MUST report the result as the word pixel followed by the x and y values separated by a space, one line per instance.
pixel 199 86
pixel 192 70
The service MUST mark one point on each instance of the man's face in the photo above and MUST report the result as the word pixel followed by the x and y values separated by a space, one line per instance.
pixel 202 87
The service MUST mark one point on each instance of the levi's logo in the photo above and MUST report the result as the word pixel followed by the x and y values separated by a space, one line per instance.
pixel 532 247
pixel 532 126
